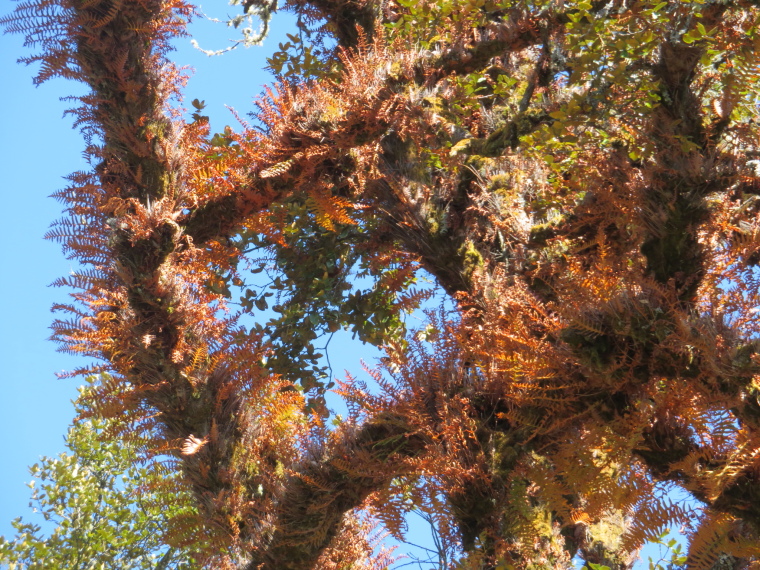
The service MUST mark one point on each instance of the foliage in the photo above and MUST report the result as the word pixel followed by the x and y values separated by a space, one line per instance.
pixel 580 178
pixel 105 509
pixel 670 554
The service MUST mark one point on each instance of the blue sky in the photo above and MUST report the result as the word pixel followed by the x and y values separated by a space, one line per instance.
pixel 37 149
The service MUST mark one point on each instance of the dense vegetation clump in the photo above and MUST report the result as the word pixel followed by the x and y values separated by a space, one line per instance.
pixel 580 178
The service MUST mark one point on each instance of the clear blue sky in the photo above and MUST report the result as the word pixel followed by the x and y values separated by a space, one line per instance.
pixel 37 148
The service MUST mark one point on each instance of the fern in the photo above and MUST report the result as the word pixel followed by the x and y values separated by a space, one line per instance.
pixel 575 180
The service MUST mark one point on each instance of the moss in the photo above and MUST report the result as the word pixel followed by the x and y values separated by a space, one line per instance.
pixel 501 185
pixel 479 162
pixel 508 135
pixel 436 221
pixel 504 454
pixel 605 539
pixel 472 259
pixel 594 350
pixel 500 139
pixel 608 530
pixel 241 459
pixel 433 226
pixel 542 521
pixel 407 158
pixel 156 129
pixel 396 70
pixel 467 146
pixel 509 198
pixel 541 233
pixel 434 104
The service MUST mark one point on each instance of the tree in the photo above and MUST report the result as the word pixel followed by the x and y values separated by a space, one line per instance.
pixel 108 510
pixel 579 177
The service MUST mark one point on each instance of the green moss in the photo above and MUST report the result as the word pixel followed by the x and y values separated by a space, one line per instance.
pixel 501 185
pixel 396 70
pixel 594 350
pixel 471 259
pixel 605 539
pixel 435 218
pixel 411 161
pixel 608 530
pixel 542 522
pixel 504 454
pixel 500 139
pixel 479 162
pixel 435 104
pixel 467 146
pixel 507 195
pixel 241 460
pixel 508 135
pixel 433 226
pixel 541 233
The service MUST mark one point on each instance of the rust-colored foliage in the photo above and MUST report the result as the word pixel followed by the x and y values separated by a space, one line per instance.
pixel 581 178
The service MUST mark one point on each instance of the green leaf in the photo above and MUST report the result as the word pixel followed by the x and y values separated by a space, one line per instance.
pixel 691 37
pixel 77 489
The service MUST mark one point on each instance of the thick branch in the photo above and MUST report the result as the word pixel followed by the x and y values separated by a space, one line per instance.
pixel 321 492
pixel 672 251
